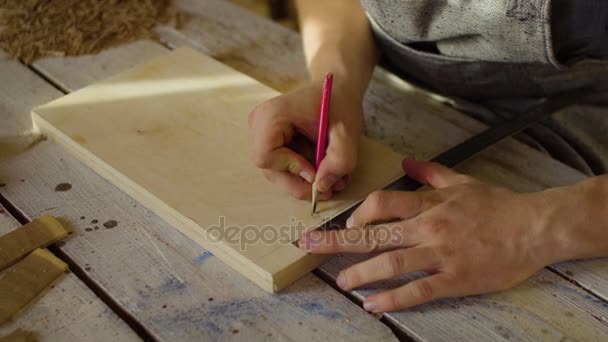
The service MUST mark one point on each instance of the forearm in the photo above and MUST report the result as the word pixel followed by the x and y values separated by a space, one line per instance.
pixel 337 38
pixel 576 220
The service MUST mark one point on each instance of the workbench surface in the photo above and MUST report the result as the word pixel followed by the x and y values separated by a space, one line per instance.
pixel 138 277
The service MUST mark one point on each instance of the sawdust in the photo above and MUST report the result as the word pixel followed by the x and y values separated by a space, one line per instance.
pixel 30 29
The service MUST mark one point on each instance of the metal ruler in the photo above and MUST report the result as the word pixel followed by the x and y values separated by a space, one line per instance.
pixel 477 143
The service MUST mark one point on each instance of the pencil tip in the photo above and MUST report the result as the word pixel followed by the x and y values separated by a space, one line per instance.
pixel 314 197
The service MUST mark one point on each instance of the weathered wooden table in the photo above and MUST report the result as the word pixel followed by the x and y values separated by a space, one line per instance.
pixel 144 279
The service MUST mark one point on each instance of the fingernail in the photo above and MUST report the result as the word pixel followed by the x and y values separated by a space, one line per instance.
pixel 326 183
pixel 369 305
pixel 307 176
pixel 341 281
pixel 350 222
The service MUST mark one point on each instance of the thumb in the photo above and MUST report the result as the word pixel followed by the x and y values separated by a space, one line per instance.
pixel 433 174
pixel 339 162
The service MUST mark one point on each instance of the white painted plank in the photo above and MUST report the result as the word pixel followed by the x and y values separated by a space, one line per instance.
pixel 93 68
pixel 544 308
pixel 172 286
pixel 68 311
pixel 210 27
pixel 20 89
pixel 391 108
pixel 396 114
pixel 590 274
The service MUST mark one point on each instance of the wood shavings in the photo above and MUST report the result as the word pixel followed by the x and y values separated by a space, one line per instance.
pixel 30 29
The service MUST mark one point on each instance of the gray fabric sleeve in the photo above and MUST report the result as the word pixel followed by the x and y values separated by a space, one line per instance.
pixel 516 31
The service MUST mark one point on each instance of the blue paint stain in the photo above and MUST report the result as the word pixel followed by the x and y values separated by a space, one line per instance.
pixel 319 309
pixel 311 306
pixel 215 320
pixel 212 328
pixel 199 260
pixel 172 284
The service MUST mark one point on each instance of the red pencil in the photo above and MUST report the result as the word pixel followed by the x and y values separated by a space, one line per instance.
pixel 322 134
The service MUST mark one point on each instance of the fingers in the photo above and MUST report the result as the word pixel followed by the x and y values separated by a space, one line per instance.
pixel 269 152
pixel 294 185
pixel 339 162
pixel 414 293
pixel 388 265
pixel 271 134
pixel 434 174
pixel 361 240
pixel 278 122
pixel 389 205
pixel 284 159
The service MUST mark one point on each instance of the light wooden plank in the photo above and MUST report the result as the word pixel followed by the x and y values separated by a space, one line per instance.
pixel 173 287
pixel 273 56
pixel 173 133
pixel 68 311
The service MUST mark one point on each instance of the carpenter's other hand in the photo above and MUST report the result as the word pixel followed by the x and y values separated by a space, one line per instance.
pixel 276 122
pixel 468 236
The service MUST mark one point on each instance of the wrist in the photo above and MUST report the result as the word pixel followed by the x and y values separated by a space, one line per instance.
pixel 346 99
pixel 550 241
pixel 351 73
pixel 573 221
pixel 344 83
